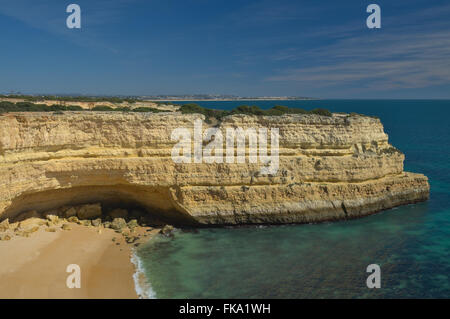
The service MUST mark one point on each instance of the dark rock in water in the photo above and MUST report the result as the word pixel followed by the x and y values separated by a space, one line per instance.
pixel 131 239
pixel 118 224
pixel 167 230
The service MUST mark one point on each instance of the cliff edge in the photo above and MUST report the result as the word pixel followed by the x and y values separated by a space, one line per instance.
pixel 330 168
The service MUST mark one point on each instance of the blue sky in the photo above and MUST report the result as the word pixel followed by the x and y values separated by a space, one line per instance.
pixel 251 48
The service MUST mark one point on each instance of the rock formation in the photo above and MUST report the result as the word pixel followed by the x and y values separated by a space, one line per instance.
pixel 330 168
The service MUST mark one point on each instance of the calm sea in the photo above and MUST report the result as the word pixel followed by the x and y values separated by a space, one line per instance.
pixel 329 260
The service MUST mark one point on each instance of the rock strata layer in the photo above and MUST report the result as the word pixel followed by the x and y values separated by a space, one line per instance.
pixel 330 168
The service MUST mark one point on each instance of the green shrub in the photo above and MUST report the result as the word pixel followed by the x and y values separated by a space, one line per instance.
pixel 249 110
pixel 193 108
pixel 102 108
pixel 74 108
pixel 147 109
pixel 281 110
pixel 321 112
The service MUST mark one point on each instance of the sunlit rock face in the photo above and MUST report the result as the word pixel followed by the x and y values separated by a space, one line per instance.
pixel 330 168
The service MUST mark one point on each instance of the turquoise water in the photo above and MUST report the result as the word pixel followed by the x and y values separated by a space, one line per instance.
pixel 410 243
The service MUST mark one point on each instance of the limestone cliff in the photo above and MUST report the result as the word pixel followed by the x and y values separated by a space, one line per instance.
pixel 329 168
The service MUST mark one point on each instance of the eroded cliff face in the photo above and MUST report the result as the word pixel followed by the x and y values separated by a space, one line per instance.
pixel 329 168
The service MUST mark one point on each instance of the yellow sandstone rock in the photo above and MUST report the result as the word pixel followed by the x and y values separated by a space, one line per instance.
pixel 5 237
pixel 31 223
pixel 4 225
pixel 330 168
pixel 66 227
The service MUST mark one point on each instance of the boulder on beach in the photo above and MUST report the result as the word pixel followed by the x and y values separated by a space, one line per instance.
pixel 86 222
pixel 73 219
pixel 132 224
pixel 52 220
pixel 31 223
pixel 118 224
pixel 97 222
pixel 5 237
pixel 90 211
pixel 71 212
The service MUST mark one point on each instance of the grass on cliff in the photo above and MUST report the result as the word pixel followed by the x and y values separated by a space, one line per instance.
pixel 34 107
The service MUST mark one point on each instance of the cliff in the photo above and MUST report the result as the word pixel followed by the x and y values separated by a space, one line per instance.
pixel 330 168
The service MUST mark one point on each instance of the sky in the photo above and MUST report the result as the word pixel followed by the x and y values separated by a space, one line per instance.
pixel 309 48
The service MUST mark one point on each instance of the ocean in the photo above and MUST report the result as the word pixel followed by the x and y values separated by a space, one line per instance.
pixel 329 260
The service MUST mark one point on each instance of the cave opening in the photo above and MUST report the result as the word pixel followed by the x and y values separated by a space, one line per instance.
pixel 152 204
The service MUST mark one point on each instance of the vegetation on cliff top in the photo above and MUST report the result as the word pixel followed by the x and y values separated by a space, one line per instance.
pixel 248 110
pixel 6 106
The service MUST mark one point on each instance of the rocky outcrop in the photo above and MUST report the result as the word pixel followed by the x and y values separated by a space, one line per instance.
pixel 329 168
pixel 134 231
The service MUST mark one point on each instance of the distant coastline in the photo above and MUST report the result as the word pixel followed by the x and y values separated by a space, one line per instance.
pixel 233 99
pixel 148 98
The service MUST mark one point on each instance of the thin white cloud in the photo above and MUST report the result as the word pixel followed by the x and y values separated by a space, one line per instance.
pixel 404 57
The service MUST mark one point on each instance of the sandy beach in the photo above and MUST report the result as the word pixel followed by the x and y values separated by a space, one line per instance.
pixel 35 267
